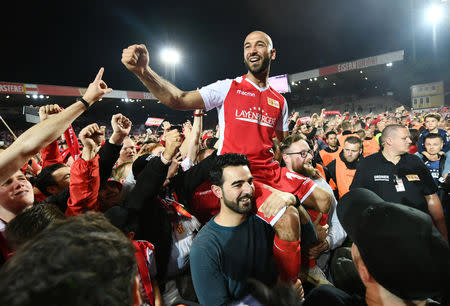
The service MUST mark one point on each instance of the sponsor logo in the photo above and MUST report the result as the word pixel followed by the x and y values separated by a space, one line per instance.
pixel 412 177
pixel 245 93
pixel 180 229
pixel 273 102
pixel 381 178
pixel 256 115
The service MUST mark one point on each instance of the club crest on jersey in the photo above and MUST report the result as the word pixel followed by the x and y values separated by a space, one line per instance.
pixel 273 102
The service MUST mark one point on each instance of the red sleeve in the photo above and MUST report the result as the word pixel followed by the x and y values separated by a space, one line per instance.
pixel 84 186
pixel 35 166
pixel 51 155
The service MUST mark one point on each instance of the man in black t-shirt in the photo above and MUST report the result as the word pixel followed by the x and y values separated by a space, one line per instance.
pixel 399 177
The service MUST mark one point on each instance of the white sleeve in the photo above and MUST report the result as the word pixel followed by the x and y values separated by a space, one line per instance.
pixel 187 164
pixel 336 233
pixel 283 122
pixel 214 94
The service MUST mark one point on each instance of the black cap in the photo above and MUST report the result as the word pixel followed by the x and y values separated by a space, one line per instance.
pixel 139 164
pixel 400 246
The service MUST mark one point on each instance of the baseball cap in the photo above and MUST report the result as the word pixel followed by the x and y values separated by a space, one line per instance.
pixel 400 246
pixel 374 122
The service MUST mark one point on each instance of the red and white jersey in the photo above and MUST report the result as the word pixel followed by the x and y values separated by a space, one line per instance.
pixel 248 117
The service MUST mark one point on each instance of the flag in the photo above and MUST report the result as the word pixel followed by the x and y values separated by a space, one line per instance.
pixel 153 121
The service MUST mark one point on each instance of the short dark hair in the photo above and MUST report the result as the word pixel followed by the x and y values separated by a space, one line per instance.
pixel 288 141
pixel 210 142
pixel 433 136
pixel 414 136
pixel 45 178
pixel 30 222
pixel 223 161
pixel 330 133
pixel 82 260
pixel 354 140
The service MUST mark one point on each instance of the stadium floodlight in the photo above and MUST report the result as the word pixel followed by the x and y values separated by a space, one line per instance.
pixel 35 96
pixel 334 84
pixel 315 79
pixel 293 83
pixel 170 56
pixel 389 64
pixel 41 96
pixel 434 14
pixel 325 78
pixel 360 71
pixel 310 80
pixel 7 97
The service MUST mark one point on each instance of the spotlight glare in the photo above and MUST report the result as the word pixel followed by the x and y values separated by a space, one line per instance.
pixel 434 14
pixel 389 64
pixel 170 56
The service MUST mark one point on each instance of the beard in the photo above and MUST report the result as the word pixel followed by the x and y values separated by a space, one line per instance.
pixel 306 170
pixel 257 70
pixel 236 207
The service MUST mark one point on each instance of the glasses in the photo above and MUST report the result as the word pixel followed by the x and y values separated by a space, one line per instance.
pixel 302 153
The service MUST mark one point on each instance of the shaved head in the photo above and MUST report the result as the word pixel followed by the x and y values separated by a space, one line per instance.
pixel 261 34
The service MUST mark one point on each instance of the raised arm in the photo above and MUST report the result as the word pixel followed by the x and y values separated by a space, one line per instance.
pixel 43 133
pixel 137 60
pixel 84 174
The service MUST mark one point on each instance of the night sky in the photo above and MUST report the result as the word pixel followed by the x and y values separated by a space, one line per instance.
pixel 65 42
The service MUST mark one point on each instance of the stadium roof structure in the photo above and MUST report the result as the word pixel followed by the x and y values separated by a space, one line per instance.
pixel 379 75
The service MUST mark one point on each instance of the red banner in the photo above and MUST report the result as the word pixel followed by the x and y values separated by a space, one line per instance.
pixel 332 113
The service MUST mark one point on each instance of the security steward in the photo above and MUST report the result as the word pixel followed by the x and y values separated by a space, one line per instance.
pixel 343 168
pixel 399 177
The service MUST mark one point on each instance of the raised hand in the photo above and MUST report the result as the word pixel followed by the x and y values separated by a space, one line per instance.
pixel 121 126
pixel 97 89
pixel 136 58
pixel 173 143
pixel 49 110
pixel 89 137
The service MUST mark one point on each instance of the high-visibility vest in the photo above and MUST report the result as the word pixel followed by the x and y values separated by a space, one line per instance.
pixel 344 177
pixel 328 157
pixel 370 146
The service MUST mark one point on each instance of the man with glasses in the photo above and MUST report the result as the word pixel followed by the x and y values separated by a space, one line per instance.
pixel 342 169
pixel 298 157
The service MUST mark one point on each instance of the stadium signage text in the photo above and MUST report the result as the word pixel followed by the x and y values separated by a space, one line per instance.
pixel 11 88
pixel 359 64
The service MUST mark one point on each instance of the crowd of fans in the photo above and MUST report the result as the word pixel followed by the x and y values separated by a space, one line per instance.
pixel 177 218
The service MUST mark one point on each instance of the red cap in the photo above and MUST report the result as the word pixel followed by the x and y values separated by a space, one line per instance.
pixel 375 121
pixel 206 136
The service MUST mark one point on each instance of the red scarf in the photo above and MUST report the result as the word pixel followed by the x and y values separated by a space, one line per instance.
pixel 72 142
